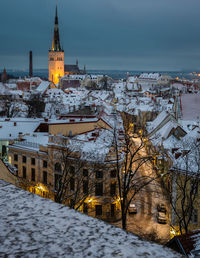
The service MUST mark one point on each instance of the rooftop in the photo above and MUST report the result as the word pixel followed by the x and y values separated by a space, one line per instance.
pixel 35 227
pixel 190 107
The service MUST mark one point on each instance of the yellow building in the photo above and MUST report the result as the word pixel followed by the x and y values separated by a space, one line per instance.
pixel 42 160
pixel 56 56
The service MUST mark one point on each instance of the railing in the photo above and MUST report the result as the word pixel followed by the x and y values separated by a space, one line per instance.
pixel 28 144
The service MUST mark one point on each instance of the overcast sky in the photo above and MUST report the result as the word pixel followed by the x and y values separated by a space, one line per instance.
pixel 103 34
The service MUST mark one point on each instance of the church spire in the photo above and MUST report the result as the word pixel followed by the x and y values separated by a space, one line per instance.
pixel 56 39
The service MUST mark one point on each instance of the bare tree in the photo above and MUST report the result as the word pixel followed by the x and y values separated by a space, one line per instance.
pixel 135 173
pixel 74 178
pixel 35 105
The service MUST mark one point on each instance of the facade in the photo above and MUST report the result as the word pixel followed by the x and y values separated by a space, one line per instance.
pixel 89 170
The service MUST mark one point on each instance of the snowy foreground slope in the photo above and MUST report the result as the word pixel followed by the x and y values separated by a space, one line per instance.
pixel 31 226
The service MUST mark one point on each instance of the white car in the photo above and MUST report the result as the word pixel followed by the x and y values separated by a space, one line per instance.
pixel 132 209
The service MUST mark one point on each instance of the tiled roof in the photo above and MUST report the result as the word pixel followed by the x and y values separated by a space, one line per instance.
pixel 72 68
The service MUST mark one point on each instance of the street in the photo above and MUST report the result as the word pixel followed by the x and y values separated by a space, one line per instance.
pixel 144 223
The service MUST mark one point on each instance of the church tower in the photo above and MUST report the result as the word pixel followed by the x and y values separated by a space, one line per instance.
pixel 56 55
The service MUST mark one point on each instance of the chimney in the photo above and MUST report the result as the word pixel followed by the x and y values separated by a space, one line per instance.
pixel 30 64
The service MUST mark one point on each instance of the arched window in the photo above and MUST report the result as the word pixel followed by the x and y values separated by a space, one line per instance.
pixel 57 167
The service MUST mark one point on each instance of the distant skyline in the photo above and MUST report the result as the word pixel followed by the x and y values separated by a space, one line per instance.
pixel 160 35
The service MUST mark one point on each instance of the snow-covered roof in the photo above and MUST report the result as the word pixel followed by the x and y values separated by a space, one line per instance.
pixel 163 132
pixel 10 129
pixel 158 120
pixel 11 85
pixel 93 146
pixel 43 86
pixel 189 162
pixel 190 105
pixel 150 76
pixel 132 79
pixel 69 120
pixel 32 226
pixel 3 89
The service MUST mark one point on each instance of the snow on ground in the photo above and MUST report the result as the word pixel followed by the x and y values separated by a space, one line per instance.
pixel 31 226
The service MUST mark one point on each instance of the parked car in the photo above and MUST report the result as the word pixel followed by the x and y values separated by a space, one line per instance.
pixel 162 207
pixel 132 209
pixel 161 217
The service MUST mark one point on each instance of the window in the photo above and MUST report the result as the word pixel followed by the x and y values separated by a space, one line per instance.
pixel 32 161
pixel 32 174
pixel 194 186
pixel 57 181
pixel 113 189
pixel 99 174
pixel 72 170
pixel 85 172
pixel 85 187
pixel 15 157
pixel 99 189
pixel 3 150
pixel 44 164
pixel 113 173
pixel 194 218
pixel 112 211
pixel 85 208
pixel 98 209
pixel 45 177
pixel 24 159
pixel 57 167
pixel 24 172
pixel 72 183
